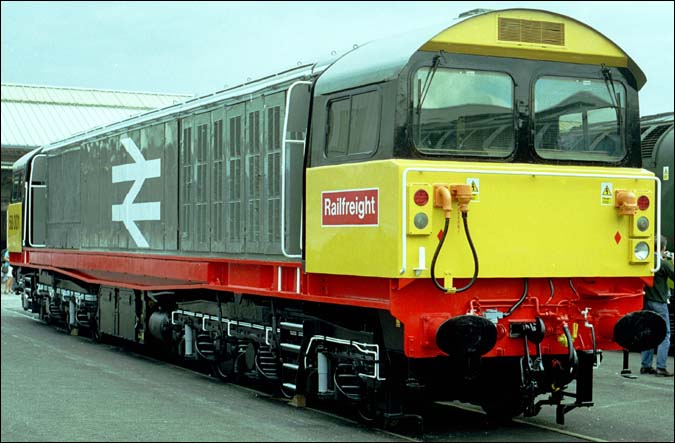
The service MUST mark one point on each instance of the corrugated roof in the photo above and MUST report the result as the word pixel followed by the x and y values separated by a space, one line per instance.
pixel 37 115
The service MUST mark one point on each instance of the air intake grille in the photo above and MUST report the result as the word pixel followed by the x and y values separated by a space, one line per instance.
pixel 531 31
pixel 649 139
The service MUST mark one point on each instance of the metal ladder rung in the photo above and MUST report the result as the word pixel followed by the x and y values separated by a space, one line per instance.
pixel 291 326
pixel 291 366
pixel 290 347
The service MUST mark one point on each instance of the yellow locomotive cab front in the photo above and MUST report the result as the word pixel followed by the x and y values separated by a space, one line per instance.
pixel 525 221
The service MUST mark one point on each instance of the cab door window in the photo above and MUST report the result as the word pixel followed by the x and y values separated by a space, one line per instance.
pixel 353 125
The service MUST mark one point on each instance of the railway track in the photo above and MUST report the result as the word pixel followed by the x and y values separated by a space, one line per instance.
pixel 444 421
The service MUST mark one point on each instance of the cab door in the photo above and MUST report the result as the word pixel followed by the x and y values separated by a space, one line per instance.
pixel 36 221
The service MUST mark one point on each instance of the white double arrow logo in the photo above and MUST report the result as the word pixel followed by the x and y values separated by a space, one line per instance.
pixel 129 212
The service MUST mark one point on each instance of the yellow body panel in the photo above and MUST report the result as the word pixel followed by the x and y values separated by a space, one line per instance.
pixel 525 220
pixel 14 227
pixel 479 35
pixel 356 250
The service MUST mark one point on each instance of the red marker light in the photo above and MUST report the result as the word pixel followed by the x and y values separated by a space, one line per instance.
pixel 643 202
pixel 421 197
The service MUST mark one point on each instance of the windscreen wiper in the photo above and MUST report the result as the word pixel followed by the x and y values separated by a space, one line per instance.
pixel 427 82
pixel 609 82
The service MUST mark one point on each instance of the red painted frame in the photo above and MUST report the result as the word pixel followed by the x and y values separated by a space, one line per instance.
pixel 416 303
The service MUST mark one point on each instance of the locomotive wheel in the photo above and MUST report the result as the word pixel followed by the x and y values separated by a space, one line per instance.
pixel 95 332
pixel 367 412
pixel 504 407
pixel 24 302
pixel 43 313
pixel 502 412
pixel 500 392
pixel 223 369
pixel 311 387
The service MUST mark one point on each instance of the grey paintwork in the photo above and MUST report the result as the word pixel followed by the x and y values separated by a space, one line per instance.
pixel 219 189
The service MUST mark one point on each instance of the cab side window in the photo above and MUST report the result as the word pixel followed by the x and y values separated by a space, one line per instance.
pixel 353 125
pixel 17 187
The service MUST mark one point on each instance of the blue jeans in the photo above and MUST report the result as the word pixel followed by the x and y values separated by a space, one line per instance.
pixel 662 350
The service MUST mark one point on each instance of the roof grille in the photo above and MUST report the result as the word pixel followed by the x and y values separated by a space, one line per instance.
pixel 531 31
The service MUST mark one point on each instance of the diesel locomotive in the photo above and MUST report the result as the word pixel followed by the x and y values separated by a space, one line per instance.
pixel 455 213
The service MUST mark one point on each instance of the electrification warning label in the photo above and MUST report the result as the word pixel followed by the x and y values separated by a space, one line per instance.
pixel 350 207
pixel 606 194
pixel 475 188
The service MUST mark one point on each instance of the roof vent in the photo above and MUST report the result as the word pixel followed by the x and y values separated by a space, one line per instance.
pixel 473 12
pixel 531 31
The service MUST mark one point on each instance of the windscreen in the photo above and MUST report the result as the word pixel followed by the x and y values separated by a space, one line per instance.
pixel 579 119
pixel 463 112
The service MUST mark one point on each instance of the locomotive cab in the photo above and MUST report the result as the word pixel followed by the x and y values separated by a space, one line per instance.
pixel 26 213
pixel 494 171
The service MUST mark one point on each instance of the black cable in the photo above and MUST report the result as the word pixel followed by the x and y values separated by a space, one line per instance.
pixel 571 352
pixel 438 250
pixel 465 216
pixel 550 284
pixel 576 294
pixel 520 301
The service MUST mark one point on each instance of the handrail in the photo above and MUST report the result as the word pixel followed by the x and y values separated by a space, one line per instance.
pixel 284 141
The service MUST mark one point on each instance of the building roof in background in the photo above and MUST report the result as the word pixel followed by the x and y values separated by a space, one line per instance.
pixel 36 115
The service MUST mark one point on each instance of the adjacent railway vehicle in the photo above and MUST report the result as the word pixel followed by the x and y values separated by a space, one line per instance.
pixel 657 156
pixel 456 213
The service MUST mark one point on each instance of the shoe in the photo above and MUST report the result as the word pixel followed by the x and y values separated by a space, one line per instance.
pixel 649 370
pixel 663 372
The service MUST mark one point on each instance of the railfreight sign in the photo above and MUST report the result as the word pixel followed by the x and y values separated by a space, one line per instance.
pixel 355 207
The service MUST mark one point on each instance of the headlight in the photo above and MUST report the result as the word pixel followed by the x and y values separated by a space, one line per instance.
pixel 641 251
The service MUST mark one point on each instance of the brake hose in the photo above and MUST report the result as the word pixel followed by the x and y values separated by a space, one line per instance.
pixel 438 250
pixel 519 302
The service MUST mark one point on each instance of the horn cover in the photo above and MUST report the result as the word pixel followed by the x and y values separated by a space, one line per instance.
pixel 466 335
pixel 640 330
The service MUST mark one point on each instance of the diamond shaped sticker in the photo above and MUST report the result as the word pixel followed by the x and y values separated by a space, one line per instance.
pixel 440 234
pixel 617 237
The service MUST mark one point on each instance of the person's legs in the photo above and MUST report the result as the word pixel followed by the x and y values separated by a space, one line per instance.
pixel 647 357
pixel 662 351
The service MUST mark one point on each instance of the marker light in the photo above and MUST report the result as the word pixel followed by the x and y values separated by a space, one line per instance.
pixel 641 251
pixel 421 220
pixel 421 197
pixel 643 223
pixel 643 202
